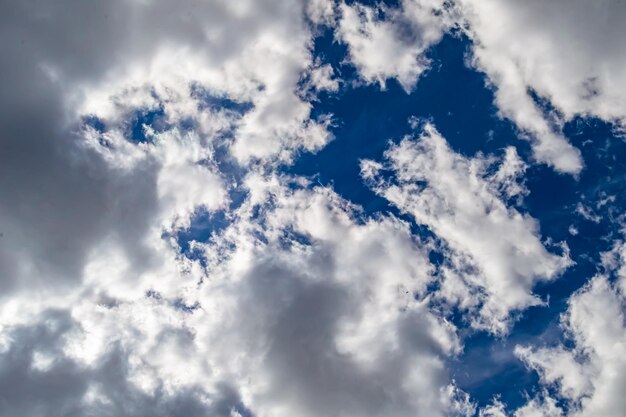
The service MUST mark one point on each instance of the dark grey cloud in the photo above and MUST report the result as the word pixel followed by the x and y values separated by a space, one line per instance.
pixel 64 387
pixel 58 199
pixel 64 201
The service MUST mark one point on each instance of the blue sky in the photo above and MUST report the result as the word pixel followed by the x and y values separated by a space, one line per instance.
pixel 316 208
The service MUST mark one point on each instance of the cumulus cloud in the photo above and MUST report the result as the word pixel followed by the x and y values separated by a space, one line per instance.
pixel 120 122
pixel 38 377
pixel 308 310
pixel 494 253
pixel 336 319
pixel 321 78
pixel 568 53
pixel 112 145
pixel 393 46
pixel 589 374
pixel 538 407
pixel 124 121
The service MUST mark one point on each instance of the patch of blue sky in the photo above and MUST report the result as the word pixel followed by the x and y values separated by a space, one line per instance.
pixel 203 226
pixel 210 100
pixel 180 304
pixel 373 3
pixel 153 118
pixel 94 122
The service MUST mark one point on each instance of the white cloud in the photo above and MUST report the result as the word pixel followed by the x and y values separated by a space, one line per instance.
pixel 88 214
pixel 309 311
pixel 321 12
pixel 542 406
pixel 567 52
pixel 322 78
pixel 332 326
pixel 494 253
pixel 302 305
pixel 66 189
pixel 496 409
pixel 393 46
pixel 590 375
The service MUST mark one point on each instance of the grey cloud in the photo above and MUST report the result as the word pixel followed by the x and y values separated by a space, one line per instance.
pixel 28 392
pixel 64 386
pixel 292 318
pixel 57 199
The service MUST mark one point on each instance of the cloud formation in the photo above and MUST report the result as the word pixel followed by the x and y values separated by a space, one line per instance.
pixel 303 310
pixel 157 260
pixel 494 254
pixel 544 65
pixel 567 53
pixel 296 307
pixel 590 374
pixel 393 46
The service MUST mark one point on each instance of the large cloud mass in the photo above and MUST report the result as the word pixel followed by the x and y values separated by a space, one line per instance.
pixel 157 258
pixel 123 123
pixel 302 311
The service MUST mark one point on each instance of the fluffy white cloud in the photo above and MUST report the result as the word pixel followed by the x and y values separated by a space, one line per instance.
pixel 494 253
pixel 496 409
pixel 321 78
pixel 334 326
pixel 590 376
pixel 567 52
pixel 123 121
pixel 304 309
pixel 393 46
pixel 321 12
pixel 538 407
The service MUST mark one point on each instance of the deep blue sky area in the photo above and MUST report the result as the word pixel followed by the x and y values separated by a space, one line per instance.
pixel 450 95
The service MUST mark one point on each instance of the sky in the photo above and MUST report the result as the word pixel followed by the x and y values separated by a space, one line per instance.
pixel 312 208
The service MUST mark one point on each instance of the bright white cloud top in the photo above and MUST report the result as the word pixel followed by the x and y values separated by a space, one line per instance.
pixel 458 200
pixel 128 125
pixel 590 376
